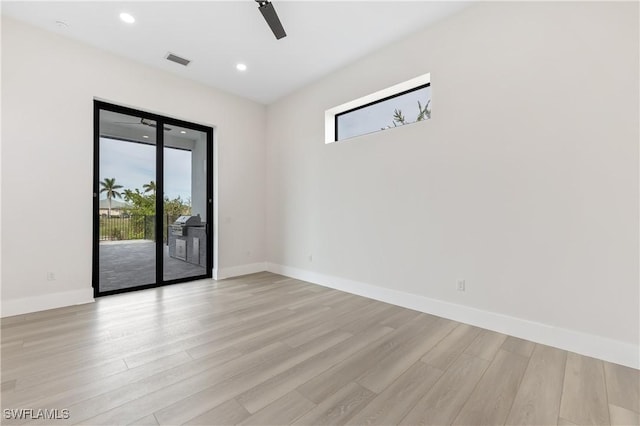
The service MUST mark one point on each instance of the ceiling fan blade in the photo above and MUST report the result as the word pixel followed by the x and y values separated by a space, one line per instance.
pixel 270 15
pixel 153 124
pixel 168 129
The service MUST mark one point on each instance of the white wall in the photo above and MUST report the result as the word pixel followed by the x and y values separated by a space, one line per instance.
pixel 524 182
pixel 48 87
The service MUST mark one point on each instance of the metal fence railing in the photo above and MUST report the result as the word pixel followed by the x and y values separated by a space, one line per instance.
pixel 131 227
pixel 127 228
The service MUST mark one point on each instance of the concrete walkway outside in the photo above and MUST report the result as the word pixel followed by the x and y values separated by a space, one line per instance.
pixel 126 264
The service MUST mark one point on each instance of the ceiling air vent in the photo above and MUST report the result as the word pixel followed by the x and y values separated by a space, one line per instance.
pixel 177 59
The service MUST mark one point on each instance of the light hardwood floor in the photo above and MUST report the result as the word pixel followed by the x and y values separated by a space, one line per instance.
pixel 268 350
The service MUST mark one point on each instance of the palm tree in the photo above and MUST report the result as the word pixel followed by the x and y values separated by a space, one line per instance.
pixel 399 119
pixel 109 186
pixel 424 113
pixel 149 187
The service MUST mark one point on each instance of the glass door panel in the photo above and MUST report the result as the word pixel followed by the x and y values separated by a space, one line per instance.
pixel 185 203
pixel 126 198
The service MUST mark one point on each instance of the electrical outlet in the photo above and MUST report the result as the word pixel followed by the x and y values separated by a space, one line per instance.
pixel 461 285
pixel 51 276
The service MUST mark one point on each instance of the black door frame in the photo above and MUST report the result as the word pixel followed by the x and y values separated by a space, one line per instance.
pixel 161 121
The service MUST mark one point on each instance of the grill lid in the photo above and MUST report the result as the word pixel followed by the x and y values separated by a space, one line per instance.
pixel 188 221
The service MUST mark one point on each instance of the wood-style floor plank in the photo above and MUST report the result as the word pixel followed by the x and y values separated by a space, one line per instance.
pixel 200 396
pixel 335 321
pixel 264 349
pixel 486 345
pixel 8 386
pixel 623 386
pixel 47 383
pixel 400 318
pixel 449 348
pixel 441 404
pixel 339 407
pixel 584 395
pixel 565 422
pixel 145 421
pixel 623 417
pixel 393 404
pixel 282 411
pixel 491 400
pixel 268 391
pixel 142 397
pixel 146 377
pixel 375 313
pixel 330 381
pixel 227 413
pixel 387 369
pixel 538 399
pixel 518 346
pixel 70 393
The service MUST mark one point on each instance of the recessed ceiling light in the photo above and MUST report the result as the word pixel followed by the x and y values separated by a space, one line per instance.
pixel 183 132
pixel 145 136
pixel 128 18
pixel 241 67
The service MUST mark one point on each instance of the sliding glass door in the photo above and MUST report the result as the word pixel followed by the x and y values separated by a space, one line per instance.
pixel 185 181
pixel 126 210
pixel 152 200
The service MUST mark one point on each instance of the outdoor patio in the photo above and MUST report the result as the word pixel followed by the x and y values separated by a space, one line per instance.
pixel 126 264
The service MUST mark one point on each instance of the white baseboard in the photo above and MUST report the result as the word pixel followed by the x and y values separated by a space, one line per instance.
pixel 591 345
pixel 236 271
pixel 11 307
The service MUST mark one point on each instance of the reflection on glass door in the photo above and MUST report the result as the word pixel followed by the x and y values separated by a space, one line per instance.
pixel 126 199
pixel 185 202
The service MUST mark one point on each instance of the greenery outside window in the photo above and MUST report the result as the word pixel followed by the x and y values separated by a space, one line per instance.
pixel 402 104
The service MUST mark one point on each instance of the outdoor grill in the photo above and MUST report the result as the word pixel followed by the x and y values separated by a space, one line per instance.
pixel 184 239
pixel 178 228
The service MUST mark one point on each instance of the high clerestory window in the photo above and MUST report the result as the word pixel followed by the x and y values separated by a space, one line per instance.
pixel 404 103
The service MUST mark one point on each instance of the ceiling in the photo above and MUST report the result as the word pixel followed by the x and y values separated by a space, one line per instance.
pixel 321 37
pixel 137 129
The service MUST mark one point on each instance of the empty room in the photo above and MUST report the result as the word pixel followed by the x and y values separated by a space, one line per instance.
pixel 320 213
